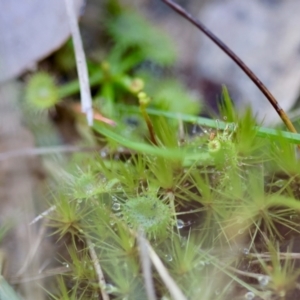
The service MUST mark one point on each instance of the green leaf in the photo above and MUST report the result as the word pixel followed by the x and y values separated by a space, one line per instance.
pixel 130 31
pixel 6 291
pixel 138 146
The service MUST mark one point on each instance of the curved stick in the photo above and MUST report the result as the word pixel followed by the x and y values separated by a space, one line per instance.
pixel 237 60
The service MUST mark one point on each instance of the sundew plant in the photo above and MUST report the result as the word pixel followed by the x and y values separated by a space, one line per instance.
pixel 162 211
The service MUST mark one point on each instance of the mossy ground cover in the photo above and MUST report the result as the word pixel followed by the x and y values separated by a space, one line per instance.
pixel 212 204
pixel 219 207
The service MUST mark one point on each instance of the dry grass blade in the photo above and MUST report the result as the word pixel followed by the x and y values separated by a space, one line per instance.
pixel 45 151
pixel 237 60
pixel 45 274
pixel 33 250
pixel 85 92
pixel 42 215
pixel 171 285
pixel 98 269
pixel 146 266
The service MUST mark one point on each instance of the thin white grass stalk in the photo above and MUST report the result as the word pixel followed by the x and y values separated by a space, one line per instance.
pixel 45 274
pixel 282 255
pixel 45 151
pixel 33 250
pixel 43 214
pixel 245 273
pixel 171 285
pixel 146 266
pixel 98 269
pixel 267 257
pixel 85 92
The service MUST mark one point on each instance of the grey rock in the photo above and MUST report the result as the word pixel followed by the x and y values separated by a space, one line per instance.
pixel 265 35
pixel 29 31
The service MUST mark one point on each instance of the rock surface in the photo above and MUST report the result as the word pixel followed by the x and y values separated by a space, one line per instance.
pixel 263 33
pixel 29 31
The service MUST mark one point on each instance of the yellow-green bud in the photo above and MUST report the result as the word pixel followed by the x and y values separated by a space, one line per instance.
pixel 41 91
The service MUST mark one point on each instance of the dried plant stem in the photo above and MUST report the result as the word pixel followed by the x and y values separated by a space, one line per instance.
pixel 33 250
pixel 171 285
pixel 149 125
pixel 43 214
pixel 92 252
pixel 268 257
pixel 98 269
pixel 237 60
pixel 85 92
pixel 45 274
pixel 146 266
pixel 46 151
pixel 245 273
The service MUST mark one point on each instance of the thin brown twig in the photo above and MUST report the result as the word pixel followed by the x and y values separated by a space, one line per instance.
pixel 144 101
pixel 237 60
pixel 150 127
pixel 149 124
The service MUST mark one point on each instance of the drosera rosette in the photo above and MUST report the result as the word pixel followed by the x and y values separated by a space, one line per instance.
pixel 41 92
pixel 150 214
pixel 87 183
